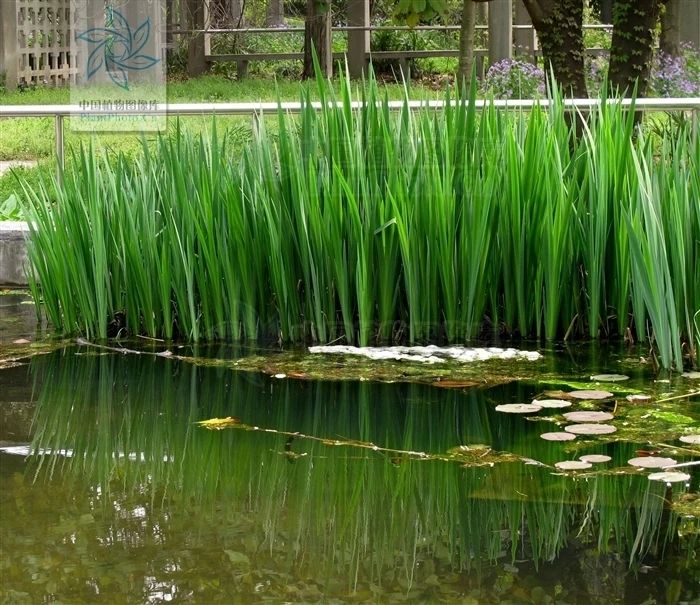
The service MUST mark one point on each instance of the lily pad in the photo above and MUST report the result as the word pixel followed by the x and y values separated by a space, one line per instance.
pixel 558 436
pixel 518 408
pixel 588 416
pixel 609 377
pixel 692 439
pixel 590 429
pixel 669 477
pixel 552 403
pixel 595 458
pixel 590 394
pixel 651 462
pixel 638 398
pixel 691 375
pixel 573 465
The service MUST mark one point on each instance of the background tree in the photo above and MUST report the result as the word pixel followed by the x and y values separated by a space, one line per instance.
pixel 466 43
pixel 194 13
pixel 632 48
pixel 317 37
pixel 670 40
pixel 559 26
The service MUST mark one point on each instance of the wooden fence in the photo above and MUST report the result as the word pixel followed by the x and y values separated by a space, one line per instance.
pixel 35 39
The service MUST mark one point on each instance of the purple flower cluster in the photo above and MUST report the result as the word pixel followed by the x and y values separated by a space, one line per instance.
pixel 512 79
pixel 675 76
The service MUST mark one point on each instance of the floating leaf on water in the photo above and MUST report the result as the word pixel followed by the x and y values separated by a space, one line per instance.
pixel 651 462
pixel 216 424
pixel 518 408
pixel 573 465
pixel 552 403
pixel 609 377
pixel 558 436
pixel 638 398
pixel 595 458
pixel 673 417
pixel 238 559
pixel 588 416
pixel 691 375
pixel 590 429
pixel 587 394
pixel 692 439
pixel 669 477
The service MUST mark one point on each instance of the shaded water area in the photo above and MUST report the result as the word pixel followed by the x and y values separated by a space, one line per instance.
pixel 336 491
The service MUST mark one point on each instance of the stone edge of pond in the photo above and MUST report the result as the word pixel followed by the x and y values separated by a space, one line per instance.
pixel 13 254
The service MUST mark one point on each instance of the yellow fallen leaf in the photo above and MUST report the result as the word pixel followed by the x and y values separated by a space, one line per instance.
pixel 216 424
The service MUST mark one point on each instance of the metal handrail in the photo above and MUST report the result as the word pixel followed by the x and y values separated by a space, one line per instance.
pixel 347 28
pixel 60 112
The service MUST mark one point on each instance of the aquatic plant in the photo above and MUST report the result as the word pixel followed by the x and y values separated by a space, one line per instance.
pixel 361 224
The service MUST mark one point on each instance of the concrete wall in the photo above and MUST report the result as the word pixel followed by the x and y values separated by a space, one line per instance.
pixel 13 254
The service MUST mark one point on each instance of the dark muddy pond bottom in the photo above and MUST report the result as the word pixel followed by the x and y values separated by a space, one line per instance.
pixel 344 491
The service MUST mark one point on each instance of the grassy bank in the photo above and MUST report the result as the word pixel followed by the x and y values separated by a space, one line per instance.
pixel 371 226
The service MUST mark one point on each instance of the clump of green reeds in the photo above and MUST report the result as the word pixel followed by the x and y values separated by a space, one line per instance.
pixel 373 225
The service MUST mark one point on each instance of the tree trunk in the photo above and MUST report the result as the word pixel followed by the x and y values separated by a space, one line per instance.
pixel 632 44
pixel 196 64
pixel 466 45
pixel 317 36
pixel 670 41
pixel 275 13
pixel 606 11
pixel 559 25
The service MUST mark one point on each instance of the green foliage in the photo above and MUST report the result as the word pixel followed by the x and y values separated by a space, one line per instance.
pixel 363 224
pixel 413 12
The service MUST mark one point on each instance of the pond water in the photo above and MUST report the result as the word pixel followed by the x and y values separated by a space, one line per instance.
pixel 335 491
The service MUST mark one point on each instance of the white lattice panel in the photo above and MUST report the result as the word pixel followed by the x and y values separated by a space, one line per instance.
pixel 43 36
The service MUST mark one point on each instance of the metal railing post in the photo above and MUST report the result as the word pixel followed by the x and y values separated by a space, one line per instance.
pixel 60 150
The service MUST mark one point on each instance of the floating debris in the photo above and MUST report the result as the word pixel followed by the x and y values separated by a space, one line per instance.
pixel 669 477
pixel 595 458
pixel 590 429
pixel 573 465
pixel 638 398
pixel 558 436
pixel 588 416
pixel 518 408
pixel 651 462
pixel 691 375
pixel 692 439
pixel 217 424
pixel 586 394
pixel 428 354
pixel 552 403
pixel 609 377
pixel 454 384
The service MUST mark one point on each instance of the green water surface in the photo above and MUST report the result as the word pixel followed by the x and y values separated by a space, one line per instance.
pixel 335 491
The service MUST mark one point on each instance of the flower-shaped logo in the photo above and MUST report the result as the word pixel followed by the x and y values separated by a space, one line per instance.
pixel 117 48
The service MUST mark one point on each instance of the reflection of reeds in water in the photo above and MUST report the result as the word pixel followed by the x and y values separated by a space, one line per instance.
pixel 351 508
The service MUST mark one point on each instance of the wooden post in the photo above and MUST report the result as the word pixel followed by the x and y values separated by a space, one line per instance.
pixel 500 30
pixel 358 40
pixel 690 21
pixel 8 42
pixel 524 38
pixel 207 25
